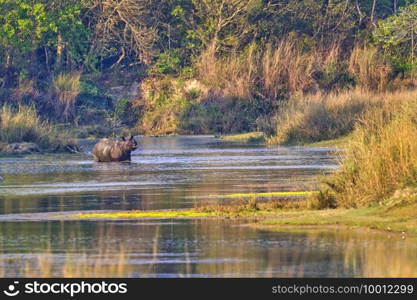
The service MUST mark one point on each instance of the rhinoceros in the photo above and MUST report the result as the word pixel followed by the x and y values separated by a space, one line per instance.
pixel 108 150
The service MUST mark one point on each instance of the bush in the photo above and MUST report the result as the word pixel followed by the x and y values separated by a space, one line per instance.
pixel 168 63
pixel 125 113
pixel 164 104
pixel 381 156
pixel 65 89
pixel 314 118
pixel 189 107
pixel 24 125
pixel 321 200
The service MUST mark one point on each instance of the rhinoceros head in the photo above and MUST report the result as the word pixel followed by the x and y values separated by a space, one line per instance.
pixel 130 143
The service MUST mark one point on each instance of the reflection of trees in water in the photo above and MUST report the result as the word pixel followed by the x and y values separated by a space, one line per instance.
pixel 76 249
pixel 313 253
pixel 197 248
pixel 382 255
pixel 365 253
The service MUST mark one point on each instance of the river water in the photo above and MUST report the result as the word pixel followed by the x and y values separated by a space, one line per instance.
pixel 170 173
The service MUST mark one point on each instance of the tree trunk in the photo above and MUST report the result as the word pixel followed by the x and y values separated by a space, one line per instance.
pixel 59 51
pixel 373 12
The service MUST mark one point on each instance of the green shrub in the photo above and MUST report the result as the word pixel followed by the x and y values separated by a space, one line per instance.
pixel 125 113
pixel 174 106
pixel 168 63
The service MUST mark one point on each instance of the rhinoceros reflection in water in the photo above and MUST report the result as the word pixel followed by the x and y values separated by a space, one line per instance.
pixel 107 150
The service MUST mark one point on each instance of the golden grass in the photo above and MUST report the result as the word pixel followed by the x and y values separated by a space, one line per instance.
pixel 285 68
pixel 23 125
pixel 380 158
pixel 249 208
pixel 339 142
pixel 319 117
pixel 173 214
pixel 274 72
pixel 233 76
pixel 370 68
pixel 290 213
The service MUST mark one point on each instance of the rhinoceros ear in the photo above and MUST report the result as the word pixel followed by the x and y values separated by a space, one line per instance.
pixel 123 138
pixel 131 137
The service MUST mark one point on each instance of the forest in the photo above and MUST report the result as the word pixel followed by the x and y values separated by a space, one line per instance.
pixel 296 71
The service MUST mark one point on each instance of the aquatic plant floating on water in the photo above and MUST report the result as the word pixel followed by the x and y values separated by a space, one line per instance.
pixel 268 194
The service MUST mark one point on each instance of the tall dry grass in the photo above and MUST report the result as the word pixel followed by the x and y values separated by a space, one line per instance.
pixel 26 89
pixel 233 76
pixel 23 125
pixel 65 89
pixel 381 156
pixel 284 68
pixel 370 68
pixel 278 70
pixel 313 118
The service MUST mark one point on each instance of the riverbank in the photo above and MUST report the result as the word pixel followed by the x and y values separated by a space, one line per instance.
pixel 255 137
pixel 401 219
pixel 276 216
pixel 22 131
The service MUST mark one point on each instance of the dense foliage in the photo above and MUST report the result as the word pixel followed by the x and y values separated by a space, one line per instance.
pixel 63 56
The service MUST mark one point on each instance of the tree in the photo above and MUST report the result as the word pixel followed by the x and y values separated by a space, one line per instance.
pixel 397 35
pixel 28 25
pixel 22 25
pixel 215 23
pixel 123 28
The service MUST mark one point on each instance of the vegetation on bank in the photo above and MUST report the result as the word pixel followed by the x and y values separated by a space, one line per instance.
pixel 250 137
pixel 23 125
pixel 379 160
pixel 249 208
pixel 399 219
pixel 190 67
pixel 345 68
pixel 265 194
pixel 275 215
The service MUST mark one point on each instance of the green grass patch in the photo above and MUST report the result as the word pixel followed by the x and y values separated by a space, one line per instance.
pixel 268 194
pixel 401 219
pixel 275 216
pixel 250 137
pixel 206 212
pixel 146 214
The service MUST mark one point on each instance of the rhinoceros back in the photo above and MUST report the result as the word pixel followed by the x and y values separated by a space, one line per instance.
pixel 102 150
pixel 107 150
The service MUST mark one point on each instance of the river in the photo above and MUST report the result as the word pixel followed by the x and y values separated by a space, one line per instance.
pixel 170 173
